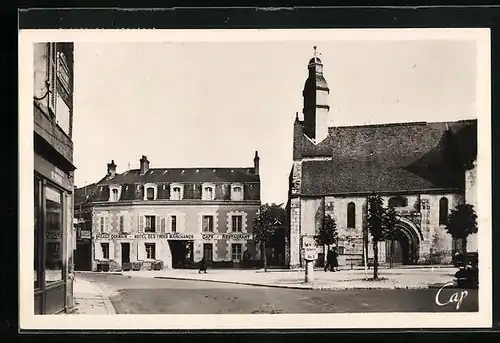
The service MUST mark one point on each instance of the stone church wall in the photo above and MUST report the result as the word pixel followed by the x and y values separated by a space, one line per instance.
pixel 422 210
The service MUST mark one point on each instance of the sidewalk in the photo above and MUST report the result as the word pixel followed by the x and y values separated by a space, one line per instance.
pixel 403 278
pixel 90 299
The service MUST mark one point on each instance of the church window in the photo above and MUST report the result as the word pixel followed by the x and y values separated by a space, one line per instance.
pixel 351 215
pixel 443 211
pixel 398 201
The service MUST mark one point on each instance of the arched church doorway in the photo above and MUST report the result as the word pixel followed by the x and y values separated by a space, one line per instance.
pixel 403 246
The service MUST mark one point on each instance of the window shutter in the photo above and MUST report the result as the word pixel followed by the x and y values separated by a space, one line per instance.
pixel 158 224
pixel 95 224
pixel 111 250
pixel 106 223
pixel 141 253
pixel 52 77
pixel 97 250
pixel 162 226
pixel 129 224
pixel 141 223
pixel 159 253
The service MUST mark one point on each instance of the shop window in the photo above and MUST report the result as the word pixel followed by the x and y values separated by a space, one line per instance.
pixel 173 224
pixel 105 250
pixel 236 251
pixel 443 211
pixel 208 223
pixel 54 235
pixel 150 251
pixel 236 192
pixel 237 223
pixel 351 215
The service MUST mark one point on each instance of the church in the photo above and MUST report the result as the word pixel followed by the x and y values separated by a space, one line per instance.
pixel 422 169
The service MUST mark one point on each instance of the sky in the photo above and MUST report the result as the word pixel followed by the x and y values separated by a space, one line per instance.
pixel 213 104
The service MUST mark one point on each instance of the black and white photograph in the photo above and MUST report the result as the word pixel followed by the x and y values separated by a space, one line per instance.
pixel 239 179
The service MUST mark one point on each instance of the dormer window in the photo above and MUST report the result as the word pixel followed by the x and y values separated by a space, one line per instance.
pixel 150 191
pixel 208 192
pixel 176 192
pixel 114 193
pixel 236 192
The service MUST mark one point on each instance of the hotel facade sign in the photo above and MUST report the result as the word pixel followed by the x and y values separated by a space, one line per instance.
pixel 176 236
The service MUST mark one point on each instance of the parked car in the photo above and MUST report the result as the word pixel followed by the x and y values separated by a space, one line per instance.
pixel 468 273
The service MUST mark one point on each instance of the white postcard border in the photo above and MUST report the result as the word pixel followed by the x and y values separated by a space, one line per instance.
pixel 28 320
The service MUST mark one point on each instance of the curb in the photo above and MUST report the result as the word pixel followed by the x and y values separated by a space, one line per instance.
pixel 98 273
pixel 308 287
pixel 109 306
pixel 233 282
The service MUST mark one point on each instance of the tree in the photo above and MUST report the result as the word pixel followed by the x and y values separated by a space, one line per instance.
pixel 327 234
pixel 462 221
pixel 264 227
pixel 381 223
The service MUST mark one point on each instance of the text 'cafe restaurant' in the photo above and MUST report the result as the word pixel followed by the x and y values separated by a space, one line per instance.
pixel 141 251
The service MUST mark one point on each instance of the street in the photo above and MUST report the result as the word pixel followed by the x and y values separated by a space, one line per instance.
pixel 144 295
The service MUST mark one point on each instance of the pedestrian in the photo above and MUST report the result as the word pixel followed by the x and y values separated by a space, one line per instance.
pixel 246 258
pixel 328 263
pixel 334 264
pixel 203 266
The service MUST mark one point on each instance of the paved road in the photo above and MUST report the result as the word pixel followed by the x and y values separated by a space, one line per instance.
pixel 140 295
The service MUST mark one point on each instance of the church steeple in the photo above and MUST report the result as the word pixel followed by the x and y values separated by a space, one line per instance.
pixel 315 95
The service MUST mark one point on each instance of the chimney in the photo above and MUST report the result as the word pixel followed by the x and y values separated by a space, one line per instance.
pixel 144 163
pixel 111 169
pixel 256 160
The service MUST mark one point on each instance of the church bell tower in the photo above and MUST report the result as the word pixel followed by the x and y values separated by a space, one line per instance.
pixel 316 106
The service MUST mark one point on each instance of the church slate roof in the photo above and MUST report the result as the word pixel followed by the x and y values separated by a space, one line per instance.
pixel 391 158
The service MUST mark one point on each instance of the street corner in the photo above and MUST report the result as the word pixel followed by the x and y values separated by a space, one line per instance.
pixel 94 306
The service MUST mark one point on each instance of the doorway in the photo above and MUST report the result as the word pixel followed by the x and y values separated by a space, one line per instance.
pixel 182 253
pixel 402 249
pixel 125 252
pixel 395 251
pixel 208 253
pixel 83 256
